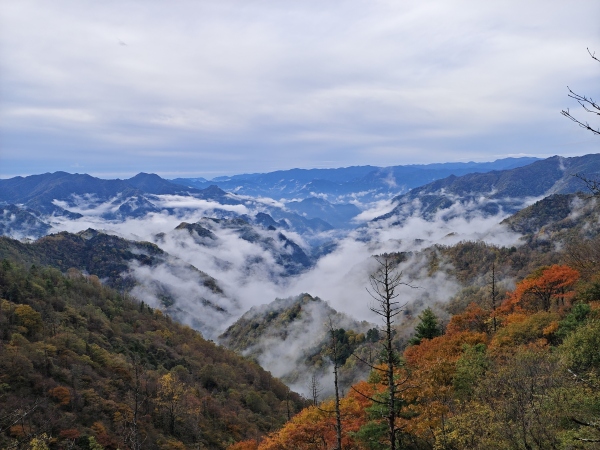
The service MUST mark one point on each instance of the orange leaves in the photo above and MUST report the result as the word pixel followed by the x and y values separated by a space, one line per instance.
pixel 473 319
pixel 447 347
pixel 244 445
pixel 61 394
pixel 307 430
pixel 314 428
pixel 433 365
pixel 544 289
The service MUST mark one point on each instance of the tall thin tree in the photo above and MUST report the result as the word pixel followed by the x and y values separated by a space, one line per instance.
pixel 384 283
pixel 494 296
pixel 335 358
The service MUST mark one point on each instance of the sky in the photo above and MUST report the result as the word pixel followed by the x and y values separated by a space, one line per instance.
pixel 211 88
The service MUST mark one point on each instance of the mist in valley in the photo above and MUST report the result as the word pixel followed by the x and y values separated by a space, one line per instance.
pixel 249 274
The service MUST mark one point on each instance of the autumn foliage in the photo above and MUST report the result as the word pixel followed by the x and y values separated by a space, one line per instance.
pixel 479 386
pixel 84 366
pixel 547 288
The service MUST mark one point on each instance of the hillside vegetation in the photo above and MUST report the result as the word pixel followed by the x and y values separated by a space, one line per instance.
pixel 82 366
pixel 518 369
pixel 523 376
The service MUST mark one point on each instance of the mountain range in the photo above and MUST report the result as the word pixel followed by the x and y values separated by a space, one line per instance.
pixel 317 200
pixel 274 265
pixel 495 191
pixel 365 182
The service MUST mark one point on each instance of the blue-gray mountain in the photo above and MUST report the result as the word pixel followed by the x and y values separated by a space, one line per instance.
pixel 30 203
pixel 365 182
pixel 495 191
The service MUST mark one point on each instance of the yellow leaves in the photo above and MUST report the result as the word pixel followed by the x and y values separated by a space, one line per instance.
pixel 522 329
pixel 29 318
pixel 123 414
pixel 39 442
pixel 551 328
pixel 99 355
pixel 164 333
pixel 170 390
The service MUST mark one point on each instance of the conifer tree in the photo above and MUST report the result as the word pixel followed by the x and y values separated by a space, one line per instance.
pixel 428 328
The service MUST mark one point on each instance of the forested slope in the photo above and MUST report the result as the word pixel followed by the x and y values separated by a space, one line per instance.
pixel 519 373
pixel 82 366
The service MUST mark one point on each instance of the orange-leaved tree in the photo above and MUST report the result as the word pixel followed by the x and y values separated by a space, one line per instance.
pixel 244 445
pixel 433 365
pixel 543 289
pixel 315 427
pixel 474 318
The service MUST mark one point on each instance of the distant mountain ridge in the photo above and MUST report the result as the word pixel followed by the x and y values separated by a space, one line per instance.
pixel 496 191
pixel 311 201
pixel 29 201
pixel 367 182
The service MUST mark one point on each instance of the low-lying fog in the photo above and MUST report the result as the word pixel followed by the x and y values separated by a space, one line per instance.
pixel 250 276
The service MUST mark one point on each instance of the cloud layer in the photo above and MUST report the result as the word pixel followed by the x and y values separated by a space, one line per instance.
pixel 211 88
pixel 250 274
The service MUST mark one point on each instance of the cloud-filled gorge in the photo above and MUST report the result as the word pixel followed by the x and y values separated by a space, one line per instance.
pixel 248 262
pixel 264 276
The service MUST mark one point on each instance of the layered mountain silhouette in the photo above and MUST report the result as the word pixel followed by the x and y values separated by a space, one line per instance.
pixel 368 182
pixel 496 191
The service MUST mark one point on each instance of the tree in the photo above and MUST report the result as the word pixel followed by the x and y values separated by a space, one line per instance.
pixel 586 103
pixel 427 328
pixel 170 396
pixel 385 281
pixel 537 291
pixel 494 296
pixel 335 358
pixel 315 389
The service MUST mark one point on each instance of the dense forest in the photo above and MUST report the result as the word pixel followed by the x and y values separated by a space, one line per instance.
pixel 84 366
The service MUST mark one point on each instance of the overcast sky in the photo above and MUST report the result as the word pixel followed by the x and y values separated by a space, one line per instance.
pixel 209 88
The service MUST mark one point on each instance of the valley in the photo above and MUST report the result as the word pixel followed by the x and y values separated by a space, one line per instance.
pixel 270 265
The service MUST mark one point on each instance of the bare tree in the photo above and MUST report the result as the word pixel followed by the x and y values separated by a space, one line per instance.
pixel 315 389
pixel 593 184
pixel 586 103
pixel 494 296
pixel 137 397
pixel 335 358
pixel 385 282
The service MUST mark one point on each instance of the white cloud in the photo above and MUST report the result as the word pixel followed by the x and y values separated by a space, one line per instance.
pixel 229 87
pixel 250 276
